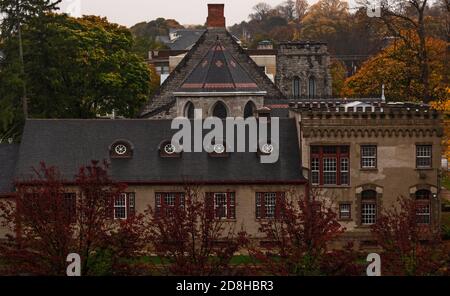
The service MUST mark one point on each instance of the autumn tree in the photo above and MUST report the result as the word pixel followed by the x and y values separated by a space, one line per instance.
pixel 406 21
pixel 189 238
pixel 47 222
pixel 395 68
pixel 338 74
pixel 409 248
pixel 297 239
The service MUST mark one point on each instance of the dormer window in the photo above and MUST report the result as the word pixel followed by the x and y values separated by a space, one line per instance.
pixel 218 149
pixel 167 149
pixel 265 148
pixel 121 149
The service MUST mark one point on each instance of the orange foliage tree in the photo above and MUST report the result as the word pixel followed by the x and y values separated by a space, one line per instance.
pixel 398 69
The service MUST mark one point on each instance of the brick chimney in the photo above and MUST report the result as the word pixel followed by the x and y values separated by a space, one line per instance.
pixel 216 16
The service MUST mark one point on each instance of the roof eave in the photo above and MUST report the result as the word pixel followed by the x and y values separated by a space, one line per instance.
pixel 221 94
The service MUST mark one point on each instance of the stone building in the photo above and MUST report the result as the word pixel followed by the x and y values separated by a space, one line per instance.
pixel 362 154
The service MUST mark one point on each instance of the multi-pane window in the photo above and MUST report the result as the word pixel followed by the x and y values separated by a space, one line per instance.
pixel 120 207
pixel 330 165
pixel 423 207
pixel 423 156
pixel 329 171
pixel 315 171
pixel 345 211
pixel 269 205
pixel 165 202
pixel 221 205
pixel 368 207
pixel 124 205
pixel 369 157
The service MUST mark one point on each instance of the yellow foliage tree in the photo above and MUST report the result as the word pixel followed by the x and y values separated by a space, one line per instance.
pixel 399 70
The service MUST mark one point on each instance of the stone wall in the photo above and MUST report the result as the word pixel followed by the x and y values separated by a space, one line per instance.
pixel 304 60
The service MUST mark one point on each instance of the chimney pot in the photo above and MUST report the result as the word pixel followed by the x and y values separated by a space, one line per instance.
pixel 216 16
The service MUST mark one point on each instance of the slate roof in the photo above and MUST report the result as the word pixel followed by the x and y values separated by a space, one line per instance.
pixel 164 99
pixel 218 71
pixel 70 144
pixel 8 160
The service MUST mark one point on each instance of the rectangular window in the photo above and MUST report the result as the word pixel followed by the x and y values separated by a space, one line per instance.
pixel 369 157
pixel 221 205
pixel 368 213
pixel 315 171
pixel 269 205
pixel 124 205
pixel 423 212
pixel 330 165
pixel 345 211
pixel 423 156
pixel 120 207
pixel 165 202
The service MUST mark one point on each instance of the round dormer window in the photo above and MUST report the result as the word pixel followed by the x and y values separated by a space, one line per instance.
pixel 267 148
pixel 121 149
pixel 169 149
pixel 219 148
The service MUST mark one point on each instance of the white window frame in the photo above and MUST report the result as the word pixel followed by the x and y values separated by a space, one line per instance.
pixel 369 161
pixel 217 206
pixel 315 170
pixel 121 205
pixel 347 210
pixel 421 153
pixel 369 214
pixel 326 169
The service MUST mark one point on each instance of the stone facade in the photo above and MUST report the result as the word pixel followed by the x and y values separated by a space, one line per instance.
pixel 235 105
pixel 308 62
pixel 395 131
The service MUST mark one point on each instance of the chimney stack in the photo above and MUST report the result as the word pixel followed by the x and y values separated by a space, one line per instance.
pixel 216 16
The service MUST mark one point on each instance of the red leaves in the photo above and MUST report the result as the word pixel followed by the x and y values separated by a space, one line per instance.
pixel 408 247
pixel 49 224
pixel 189 242
pixel 300 239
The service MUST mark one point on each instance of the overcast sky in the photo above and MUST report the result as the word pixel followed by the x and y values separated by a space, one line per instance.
pixel 130 12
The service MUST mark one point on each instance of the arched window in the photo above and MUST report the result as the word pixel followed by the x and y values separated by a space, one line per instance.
pixel 368 207
pixel 249 109
pixel 189 110
pixel 423 207
pixel 296 87
pixel 312 87
pixel 121 149
pixel 220 110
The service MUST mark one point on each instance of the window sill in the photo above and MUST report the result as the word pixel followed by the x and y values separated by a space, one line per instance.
pixel 345 220
pixel 369 169
pixel 424 169
pixel 332 186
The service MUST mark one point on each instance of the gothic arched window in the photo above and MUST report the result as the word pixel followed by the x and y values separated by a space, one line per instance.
pixel 220 110
pixel 249 109
pixel 296 87
pixel 189 110
pixel 312 87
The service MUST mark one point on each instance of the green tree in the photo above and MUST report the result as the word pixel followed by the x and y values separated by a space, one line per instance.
pixel 15 14
pixel 75 68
